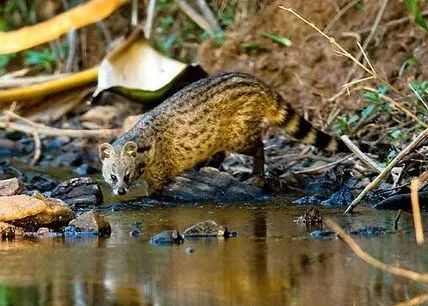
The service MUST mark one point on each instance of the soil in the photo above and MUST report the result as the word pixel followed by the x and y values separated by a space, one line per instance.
pixel 309 72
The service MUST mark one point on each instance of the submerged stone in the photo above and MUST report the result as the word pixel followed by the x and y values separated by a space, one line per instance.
pixel 31 212
pixel 167 237
pixel 310 216
pixel 8 231
pixel 80 192
pixel 370 231
pixel 321 234
pixel 10 187
pixel 207 228
pixel 309 200
pixel 92 222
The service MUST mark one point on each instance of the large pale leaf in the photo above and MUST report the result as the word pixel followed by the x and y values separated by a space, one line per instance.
pixel 139 72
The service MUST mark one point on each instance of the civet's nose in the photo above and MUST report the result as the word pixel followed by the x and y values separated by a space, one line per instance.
pixel 121 191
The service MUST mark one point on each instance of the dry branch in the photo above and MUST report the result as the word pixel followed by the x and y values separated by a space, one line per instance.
pixel 50 87
pixel 363 157
pixel 345 53
pixel 412 275
pixel 195 17
pixel 387 170
pixel 82 15
pixel 50 131
pixel 417 220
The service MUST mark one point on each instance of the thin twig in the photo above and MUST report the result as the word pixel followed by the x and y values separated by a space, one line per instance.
pixel 319 169
pixel 340 14
pixel 387 170
pixel 351 57
pixel 363 157
pixel 409 274
pixel 391 23
pixel 397 218
pixel 134 13
pixel 195 16
pixel 418 95
pixel 149 19
pixel 208 14
pixel 31 127
pixel 37 149
pixel 417 220
pixel 415 301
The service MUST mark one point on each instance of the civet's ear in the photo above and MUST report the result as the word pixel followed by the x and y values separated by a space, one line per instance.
pixel 105 150
pixel 130 149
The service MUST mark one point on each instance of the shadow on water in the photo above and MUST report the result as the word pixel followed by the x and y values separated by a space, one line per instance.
pixel 272 262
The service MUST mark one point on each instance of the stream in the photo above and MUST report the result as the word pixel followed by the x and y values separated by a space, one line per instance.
pixel 273 261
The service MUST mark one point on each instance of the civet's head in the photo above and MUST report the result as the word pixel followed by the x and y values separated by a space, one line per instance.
pixel 123 166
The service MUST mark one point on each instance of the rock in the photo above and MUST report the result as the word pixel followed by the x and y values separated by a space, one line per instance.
pixel 403 201
pixel 370 231
pixel 210 185
pixel 309 200
pixel 167 237
pixel 321 234
pixel 208 228
pixel 92 222
pixel 189 250
pixel 310 216
pixel 135 233
pixel 85 169
pixel 31 212
pixel 340 198
pixel 11 187
pixel 8 231
pixel 69 159
pixel 81 192
pixel 40 182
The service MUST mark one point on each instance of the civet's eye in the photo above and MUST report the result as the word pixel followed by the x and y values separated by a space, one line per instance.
pixel 113 178
pixel 126 178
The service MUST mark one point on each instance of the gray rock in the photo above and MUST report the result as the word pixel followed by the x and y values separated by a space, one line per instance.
pixel 167 237
pixel 210 185
pixel 208 228
pixel 80 192
pixel 10 187
pixel 92 222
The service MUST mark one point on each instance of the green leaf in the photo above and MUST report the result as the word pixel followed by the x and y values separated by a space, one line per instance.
pixel 277 38
pixel 396 134
pixel 253 45
pixel 382 89
pixel 5 59
pixel 413 7
pixel 371 96
pixel 368 110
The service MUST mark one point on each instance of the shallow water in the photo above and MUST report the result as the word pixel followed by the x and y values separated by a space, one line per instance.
pixel 272 262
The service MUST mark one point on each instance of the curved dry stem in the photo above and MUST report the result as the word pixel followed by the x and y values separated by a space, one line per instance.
pixel 409 274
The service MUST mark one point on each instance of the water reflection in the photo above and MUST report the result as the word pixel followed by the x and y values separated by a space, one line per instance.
pixel 270 263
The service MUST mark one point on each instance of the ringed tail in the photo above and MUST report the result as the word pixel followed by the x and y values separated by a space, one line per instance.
pixel 297 127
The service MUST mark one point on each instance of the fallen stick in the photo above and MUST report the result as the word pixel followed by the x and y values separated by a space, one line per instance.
pixel 43 89
pixel 417 219
pixel 50 131
pixel 195 17
pixel 409 274
pixel 319 169
pixel 363 157
pixel 387 169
